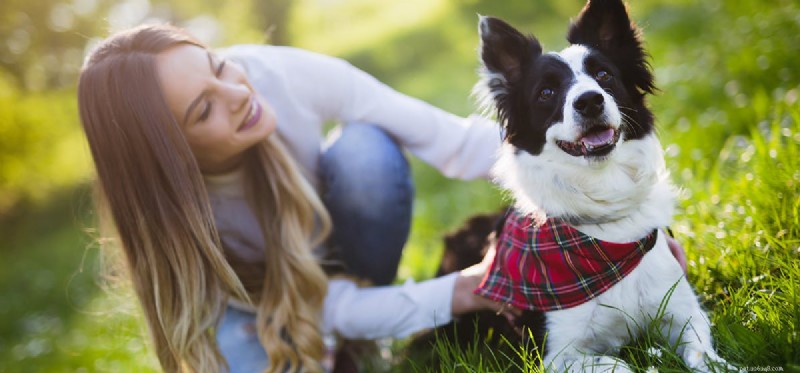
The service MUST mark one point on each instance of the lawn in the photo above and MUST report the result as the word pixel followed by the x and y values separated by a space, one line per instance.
pixel 728 114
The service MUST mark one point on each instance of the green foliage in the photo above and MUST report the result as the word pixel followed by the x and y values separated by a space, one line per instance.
pixel 43 41
pixel 41 147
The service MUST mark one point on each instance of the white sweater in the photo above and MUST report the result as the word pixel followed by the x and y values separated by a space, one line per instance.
pixel 307 90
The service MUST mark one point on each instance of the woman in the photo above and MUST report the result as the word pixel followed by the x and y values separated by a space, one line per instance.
pixel 221 194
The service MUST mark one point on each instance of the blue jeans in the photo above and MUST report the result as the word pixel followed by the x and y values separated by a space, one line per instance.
pixel 368 191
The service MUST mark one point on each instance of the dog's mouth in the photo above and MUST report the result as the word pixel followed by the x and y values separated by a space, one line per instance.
pixel 597 141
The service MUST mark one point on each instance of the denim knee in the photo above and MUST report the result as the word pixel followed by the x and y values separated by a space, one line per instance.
pixel 369 193
pixel 238 342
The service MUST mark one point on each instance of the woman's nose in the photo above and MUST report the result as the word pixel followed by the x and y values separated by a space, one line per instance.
pixel 236 95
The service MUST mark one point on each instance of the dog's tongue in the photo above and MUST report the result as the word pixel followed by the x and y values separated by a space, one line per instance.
pixel 598 138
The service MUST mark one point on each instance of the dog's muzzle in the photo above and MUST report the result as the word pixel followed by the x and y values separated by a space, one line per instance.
pixel 597 141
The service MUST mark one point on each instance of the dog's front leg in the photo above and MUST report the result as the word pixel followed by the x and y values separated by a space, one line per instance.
pixel 688 328
pixel 584 338
pixel 575 361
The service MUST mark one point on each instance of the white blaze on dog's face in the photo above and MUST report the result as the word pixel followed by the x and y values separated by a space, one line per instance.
pixel 591 120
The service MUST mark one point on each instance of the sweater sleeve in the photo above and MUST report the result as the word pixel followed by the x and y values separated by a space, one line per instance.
pixel 387 311
pixel 458 147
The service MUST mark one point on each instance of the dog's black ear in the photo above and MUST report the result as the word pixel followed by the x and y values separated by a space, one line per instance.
pixel 505 50
pixel 604 25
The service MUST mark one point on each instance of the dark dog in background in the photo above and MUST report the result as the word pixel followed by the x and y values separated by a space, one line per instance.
pixel 463 248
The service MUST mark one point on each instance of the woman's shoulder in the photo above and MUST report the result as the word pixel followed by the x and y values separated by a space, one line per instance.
pixel 252 50
pixel 273 53
pixel 298 69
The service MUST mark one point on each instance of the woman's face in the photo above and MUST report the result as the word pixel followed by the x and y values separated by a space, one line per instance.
pixel 217 109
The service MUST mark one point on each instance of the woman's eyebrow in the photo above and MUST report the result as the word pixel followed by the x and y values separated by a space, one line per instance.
pixel 201 95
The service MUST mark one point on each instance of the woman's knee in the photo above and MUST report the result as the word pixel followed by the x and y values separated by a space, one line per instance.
pixel 238 342
pixel 365 168
pixel 369 194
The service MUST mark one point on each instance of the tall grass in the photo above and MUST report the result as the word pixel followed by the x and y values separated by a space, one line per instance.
pixel 751 243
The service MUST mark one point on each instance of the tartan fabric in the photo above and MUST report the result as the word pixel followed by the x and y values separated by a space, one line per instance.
pixel 552 266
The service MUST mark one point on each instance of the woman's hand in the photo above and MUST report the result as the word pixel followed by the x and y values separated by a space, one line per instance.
pixel 677 251
pixel 465 301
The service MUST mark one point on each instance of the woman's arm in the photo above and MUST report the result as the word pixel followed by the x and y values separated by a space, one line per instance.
pixel 398 311
pixel 458 147
pixel 323 88
pixel 387 311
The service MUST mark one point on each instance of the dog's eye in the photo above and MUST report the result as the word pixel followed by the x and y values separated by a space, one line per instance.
pixel 602 76
pixel 546 94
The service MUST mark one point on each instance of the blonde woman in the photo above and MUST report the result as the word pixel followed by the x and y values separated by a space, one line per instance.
pixel 219 188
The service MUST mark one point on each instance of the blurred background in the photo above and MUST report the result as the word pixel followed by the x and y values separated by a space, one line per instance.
pixel 727 112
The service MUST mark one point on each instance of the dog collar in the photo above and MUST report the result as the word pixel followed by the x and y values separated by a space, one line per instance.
pixel 552 266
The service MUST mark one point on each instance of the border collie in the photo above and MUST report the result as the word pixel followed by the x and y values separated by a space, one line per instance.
pixel 582 248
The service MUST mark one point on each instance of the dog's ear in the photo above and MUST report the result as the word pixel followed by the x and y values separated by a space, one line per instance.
pixel 505 50
pixel 604 25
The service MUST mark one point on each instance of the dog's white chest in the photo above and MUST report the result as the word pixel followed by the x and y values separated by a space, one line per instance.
pixel 607 322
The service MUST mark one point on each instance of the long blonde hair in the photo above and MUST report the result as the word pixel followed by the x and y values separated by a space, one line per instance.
pixel 151 188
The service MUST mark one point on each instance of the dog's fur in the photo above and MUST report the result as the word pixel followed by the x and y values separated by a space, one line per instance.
pixel 579 144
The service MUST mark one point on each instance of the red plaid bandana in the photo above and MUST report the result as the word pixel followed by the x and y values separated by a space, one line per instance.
pixel 553 266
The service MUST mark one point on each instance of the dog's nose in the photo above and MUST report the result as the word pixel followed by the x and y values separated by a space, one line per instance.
pixel 589 104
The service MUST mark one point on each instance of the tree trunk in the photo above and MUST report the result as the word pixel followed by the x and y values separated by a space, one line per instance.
pixel 274 19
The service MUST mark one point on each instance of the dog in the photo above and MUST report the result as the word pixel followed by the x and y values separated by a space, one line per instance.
pixel 581 251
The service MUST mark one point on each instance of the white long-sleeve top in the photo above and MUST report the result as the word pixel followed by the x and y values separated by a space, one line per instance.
pixel 307 90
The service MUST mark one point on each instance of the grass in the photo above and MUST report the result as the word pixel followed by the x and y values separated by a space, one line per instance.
pixel 728 117
pixel 53 315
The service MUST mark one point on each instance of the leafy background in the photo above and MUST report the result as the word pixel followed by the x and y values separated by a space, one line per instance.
pixel 727 114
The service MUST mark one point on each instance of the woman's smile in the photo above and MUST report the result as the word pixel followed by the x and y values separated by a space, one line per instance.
pixel 253 115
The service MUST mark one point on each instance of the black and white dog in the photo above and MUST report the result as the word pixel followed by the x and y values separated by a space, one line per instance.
pixel 580 147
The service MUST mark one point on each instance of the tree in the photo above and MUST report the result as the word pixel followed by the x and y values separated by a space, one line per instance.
pixel 273 16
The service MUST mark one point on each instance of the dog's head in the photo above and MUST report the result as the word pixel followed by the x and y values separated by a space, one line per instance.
pixel 579 137
pixel 581 102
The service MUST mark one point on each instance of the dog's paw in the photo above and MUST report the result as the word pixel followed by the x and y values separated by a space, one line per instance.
pixel 603 364
pixel 609 364
pixel 703 361
pixel 588 364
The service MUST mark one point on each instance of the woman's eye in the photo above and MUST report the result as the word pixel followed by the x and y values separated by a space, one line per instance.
pixel 602 76
pixel 546 94
pixel 220 67
pixel 206 112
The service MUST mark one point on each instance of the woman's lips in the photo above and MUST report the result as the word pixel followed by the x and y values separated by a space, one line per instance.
pixel 253 115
